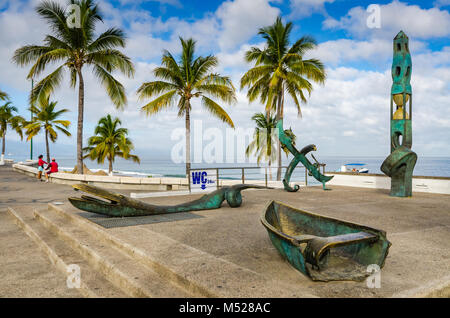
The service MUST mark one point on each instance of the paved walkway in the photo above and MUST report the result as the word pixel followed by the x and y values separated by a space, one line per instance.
pixel 17 189
pixel 418 227
pixel 25 271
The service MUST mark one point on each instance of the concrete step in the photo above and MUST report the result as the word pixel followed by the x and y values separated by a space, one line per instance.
pixel 121 269
pixel 93 284
pixel 25 271
pixel 190 286
pixel 200 273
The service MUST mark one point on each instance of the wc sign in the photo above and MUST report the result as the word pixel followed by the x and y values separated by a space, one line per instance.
pixel 203 180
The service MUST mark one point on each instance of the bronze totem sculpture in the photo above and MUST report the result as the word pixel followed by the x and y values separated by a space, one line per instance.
pixel 399 165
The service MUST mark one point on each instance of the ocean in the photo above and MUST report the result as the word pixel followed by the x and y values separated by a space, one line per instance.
pixel 425 166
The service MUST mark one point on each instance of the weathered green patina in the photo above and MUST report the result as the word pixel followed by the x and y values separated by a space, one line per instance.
pixel 323 248
pixel 299 156
pixel 399 165
pixel 119 205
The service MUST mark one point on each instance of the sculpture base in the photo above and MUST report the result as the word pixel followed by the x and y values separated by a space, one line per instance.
pixel 399 165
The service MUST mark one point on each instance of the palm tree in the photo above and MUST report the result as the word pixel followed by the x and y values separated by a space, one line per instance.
pixel 109 142
pixel 280 69
pixel 264 139
pixel 3 95
pixel 186 79
pixel 9 120
pixel 45 117
pixel 74 49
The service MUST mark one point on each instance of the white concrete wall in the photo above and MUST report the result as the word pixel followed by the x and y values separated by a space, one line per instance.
pixel 132 183
pixel 114 182
pixel 430 185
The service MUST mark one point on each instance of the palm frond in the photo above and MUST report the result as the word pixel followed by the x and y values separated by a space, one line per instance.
pixel 170 75
pixel 112 60
pixel 3 96
pixel 29 53
pixel 114 88
pixel 47 86
pixel 162 102
pixel 109 39
pixel 222 92
pixel 150 89
pixel 216 110
pixel 254 74
pixel 55 15
pixel 202 66
pixel 46 58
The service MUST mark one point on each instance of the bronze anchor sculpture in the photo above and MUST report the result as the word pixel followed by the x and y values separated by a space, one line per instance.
pixel 118 205
pixel 299 156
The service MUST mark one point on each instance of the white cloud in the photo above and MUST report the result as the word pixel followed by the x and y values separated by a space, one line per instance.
pixel 352 101
pixel 175 3
pixel 230 26
pixel 345 50
pixel 304 8
pixel 441 3
pixel 241 19
pixel 348 133
pixel 355 104
pixel 341 51
pixel 395 16
pixel 236 60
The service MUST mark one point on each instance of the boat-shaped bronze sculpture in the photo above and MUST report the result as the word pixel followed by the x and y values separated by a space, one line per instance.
pixel 118 205
pixel 324 248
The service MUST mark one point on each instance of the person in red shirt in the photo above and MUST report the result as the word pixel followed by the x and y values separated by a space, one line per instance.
pixel 53 166
pixel 41 164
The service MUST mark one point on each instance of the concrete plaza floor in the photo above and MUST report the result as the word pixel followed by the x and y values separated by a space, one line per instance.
pixel 418 228
pixel 25 271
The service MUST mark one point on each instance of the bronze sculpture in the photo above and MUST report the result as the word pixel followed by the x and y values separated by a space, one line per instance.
pixel 399 165
pixel 299 156
pixel 324 248
pixel 119 205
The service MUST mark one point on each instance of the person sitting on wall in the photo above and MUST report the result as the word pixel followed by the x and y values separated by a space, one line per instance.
pixel 41 163
pixel 52 168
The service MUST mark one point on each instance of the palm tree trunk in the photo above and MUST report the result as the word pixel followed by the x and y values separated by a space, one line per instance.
pixel 188 139
pixel 3 148
pixel 279 116
pixel 110 170
pixel 80 122
pixel 47 145
pixel 270 170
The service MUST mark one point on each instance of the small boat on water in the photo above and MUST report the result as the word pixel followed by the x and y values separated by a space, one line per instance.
pixel 354 167
pixel 324 248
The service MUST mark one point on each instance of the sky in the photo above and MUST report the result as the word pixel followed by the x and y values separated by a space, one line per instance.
pixel 347 116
